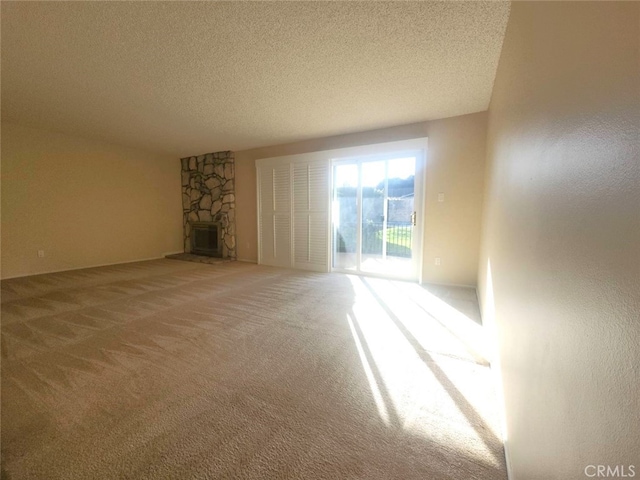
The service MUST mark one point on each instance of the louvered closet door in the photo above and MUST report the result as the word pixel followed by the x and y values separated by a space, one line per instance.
pixel 310 216
pixel 274 216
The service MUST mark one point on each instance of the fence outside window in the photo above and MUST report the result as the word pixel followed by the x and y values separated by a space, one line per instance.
pixel 399 236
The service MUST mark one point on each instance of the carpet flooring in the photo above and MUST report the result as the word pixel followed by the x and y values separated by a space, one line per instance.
pixel 170 370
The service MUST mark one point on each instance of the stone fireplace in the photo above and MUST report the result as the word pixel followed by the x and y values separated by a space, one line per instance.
pixel 208 204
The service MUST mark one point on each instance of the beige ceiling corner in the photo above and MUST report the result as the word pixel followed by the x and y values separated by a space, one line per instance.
pixel 192 77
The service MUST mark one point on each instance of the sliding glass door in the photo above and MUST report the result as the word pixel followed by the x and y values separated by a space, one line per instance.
pixel 374 215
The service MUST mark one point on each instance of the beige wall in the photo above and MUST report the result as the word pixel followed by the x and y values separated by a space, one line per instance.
pixel 562 236
pixel 455 166
pixel 83 202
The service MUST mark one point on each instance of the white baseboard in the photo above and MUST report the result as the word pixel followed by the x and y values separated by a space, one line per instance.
pixel 507 461
pixel 46 272
pixel 450 285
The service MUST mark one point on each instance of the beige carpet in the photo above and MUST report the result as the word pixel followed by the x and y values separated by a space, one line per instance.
pixel 169 369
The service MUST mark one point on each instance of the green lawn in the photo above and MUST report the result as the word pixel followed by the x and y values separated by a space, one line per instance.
pixel 398 235
pixel 398 240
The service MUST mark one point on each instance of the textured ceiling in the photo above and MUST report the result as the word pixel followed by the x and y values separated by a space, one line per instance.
pixel 192 77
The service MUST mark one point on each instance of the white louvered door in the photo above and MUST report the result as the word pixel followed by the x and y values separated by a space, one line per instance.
pixel 293 213
pixel 274 215
pixel 310 216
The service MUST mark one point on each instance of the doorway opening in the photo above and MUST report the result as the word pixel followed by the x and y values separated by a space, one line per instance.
pixel 376 209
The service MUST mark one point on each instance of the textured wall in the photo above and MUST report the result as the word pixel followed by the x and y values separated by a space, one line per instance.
pixel 455 166
pixel 83 202
pixel 560 264
pixel 208 195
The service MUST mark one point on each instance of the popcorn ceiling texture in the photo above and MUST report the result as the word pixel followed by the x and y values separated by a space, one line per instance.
pixel 208 196
pixel 157 75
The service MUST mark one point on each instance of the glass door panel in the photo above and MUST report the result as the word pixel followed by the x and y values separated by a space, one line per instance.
pixel 373 228
pixel 400 234
pixel 374 216
pixel 345 217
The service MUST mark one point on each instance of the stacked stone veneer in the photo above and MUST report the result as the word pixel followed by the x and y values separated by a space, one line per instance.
pixel 208 195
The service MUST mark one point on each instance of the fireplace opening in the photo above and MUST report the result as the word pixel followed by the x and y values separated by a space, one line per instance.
pixel 206 239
